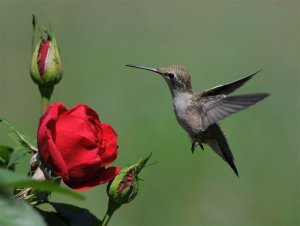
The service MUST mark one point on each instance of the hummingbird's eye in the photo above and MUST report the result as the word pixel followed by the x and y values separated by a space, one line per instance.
pixel 170 75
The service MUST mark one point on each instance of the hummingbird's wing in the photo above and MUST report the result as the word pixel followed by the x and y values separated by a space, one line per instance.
pixel 227 88
pixel 214 109
pixel 217 141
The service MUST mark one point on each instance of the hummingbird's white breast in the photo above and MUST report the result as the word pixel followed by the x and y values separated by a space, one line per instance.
pixel 186 114
pixel 182 100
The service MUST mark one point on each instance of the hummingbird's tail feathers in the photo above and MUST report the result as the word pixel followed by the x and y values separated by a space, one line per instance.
pixel 227 88
pixel 219 144
pixel 217 109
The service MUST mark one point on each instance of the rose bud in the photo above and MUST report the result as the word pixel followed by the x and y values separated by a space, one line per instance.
pixel 76 146
pixel 125 185
pixel 123 188
pixel 46 65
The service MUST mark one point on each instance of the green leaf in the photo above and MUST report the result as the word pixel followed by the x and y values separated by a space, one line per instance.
pixel 52 218
pixel 20 138
pixel 9 178
pixel 5 153
pixel 76 216
pixel 18 213
pixel 16 155
pixel 27 141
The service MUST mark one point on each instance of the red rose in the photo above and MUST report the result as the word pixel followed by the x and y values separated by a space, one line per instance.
pixel 76 146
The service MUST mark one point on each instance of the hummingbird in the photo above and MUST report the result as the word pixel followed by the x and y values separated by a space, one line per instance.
pixel 199 113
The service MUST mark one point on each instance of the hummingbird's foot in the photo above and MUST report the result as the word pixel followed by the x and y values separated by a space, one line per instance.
pixel 201 145
pixel 195 144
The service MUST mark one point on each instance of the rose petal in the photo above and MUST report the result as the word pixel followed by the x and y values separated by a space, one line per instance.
pixel 100 177
pixel 77 142
pixel 109 144
pixel 43 56
pixel 83 111
pixel 46 134
pixel 76 146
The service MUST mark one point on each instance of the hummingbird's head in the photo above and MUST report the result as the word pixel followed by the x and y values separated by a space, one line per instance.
pixel 177 77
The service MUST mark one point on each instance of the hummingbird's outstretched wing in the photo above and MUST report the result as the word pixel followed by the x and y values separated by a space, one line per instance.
pixel 227 88
pixel 215 108
pixel 217 141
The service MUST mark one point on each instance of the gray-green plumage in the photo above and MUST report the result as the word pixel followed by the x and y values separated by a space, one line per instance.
pixel 199 113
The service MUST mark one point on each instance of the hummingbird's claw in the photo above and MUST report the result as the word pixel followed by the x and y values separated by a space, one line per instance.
pixel 195 144
pixel 201 145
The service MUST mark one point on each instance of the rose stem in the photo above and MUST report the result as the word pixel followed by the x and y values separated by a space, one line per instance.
pixel 46 92
pixel 112 207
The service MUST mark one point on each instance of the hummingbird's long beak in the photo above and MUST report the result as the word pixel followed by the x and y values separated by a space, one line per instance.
pixel 144 68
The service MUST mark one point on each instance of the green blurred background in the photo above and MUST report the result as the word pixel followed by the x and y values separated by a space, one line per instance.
pixel 218 41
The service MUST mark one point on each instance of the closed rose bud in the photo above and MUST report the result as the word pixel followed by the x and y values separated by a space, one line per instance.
pixel 46 66
pixel 125 185
pixel 123 188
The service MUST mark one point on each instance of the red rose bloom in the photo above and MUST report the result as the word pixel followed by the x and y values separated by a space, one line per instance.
pixel 76 146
